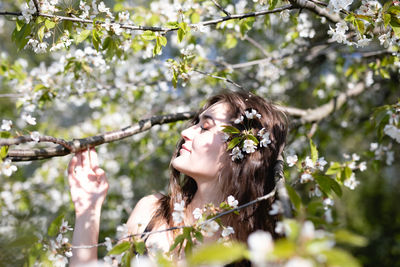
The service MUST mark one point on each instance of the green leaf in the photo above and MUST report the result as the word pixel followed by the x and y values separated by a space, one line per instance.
pixel 19 24
pixel 386 19
pixel 107 43
pixel 347 172
pixel 284 249
pixel 148 35
pixel 395 23
pixel 339 257
pixel 230 41
pixel 3 152
pixel 195 17
pixel 140 247
pixel 272 4
pixel 345 237
pixel 314 151
pixel 252 138
pixel 294 197
pixel 54 227
pixel 162 40
pixel 4 134
pixel 181 34
pixel 19 37
pixel 41 33
pixel 82 36
pixel 360 26
pixel 333 168
pixel 120 248
pixel 234 142
pixel 96 39
pixel 328 184
pixel 394 10
pixel 230 129
pixel 217 254
pixel 178 240
pixel 172 25
pixel 49 24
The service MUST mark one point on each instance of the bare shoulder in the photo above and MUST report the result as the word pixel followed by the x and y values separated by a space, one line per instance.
pixel 142 213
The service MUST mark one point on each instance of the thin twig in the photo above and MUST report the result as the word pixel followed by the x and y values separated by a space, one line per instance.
pixel 221 8
pixel 37 6
pixel 161 29
pixel 265 197
pixel 220 78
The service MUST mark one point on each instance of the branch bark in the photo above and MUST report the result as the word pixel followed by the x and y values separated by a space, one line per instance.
pixel 161 29
pixel 84 143
pixel 68 147
pixel 323 12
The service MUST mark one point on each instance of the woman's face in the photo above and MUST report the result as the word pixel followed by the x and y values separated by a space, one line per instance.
pixel 201 155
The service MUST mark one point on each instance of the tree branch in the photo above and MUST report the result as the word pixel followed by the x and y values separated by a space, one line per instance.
pixel 84 143
pixel 161 29
pixel 68 147
pixel 316 9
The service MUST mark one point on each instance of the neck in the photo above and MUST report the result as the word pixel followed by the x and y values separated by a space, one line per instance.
pixel 207 192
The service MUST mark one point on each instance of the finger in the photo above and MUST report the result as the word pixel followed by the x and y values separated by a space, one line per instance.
pixel 85 159
pixel 79 157
pixel 100 174
pixel 72 164
pixel 94 161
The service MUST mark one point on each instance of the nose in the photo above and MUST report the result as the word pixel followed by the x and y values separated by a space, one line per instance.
pixel 187 134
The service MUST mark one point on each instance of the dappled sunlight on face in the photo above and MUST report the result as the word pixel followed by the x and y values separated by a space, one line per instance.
pixel 203 150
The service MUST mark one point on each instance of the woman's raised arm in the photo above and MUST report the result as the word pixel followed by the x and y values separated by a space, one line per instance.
pixel 88 186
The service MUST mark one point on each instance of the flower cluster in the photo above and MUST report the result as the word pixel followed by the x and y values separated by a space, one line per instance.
pixel 244 139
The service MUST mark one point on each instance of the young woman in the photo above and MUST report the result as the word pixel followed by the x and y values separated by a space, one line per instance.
pixel 203 170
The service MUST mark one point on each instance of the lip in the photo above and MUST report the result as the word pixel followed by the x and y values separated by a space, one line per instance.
pixel 185 148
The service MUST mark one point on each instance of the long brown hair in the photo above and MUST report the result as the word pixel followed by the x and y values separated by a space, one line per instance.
pixel 246 180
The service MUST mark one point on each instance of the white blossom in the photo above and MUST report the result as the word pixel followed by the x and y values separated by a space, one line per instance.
pixel 309 163
pixel 249 146
pixel 225 137
pixel 392 131
pixel 306 177
pixel 355 157
pixel 363 42
pixel 239 120
pixel 291 160
pixel 276 208
pixel 35 136
pixel 197 213
pixel 210 228
pixel 117 28
pixel 260 245
pixel 299 262
pixel 236 154
pixel 253 113
pixel 285 15
pixel 265 141
pixel 232 201
pixel 373 146
pixel 227 231
pixel 362 166
pixel 6 125
pixel 351 182
pixel 64 227
pixel 29 119
pixel 178 213
pixel 27 10
pixel 321 162
pixel 280 228
pixel 108 243
pixel 337 5
pixel 7 168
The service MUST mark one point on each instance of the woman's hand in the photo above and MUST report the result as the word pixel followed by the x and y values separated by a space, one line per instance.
pixel 87 181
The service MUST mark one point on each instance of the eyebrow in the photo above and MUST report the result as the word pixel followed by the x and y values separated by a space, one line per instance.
pixel 206 117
